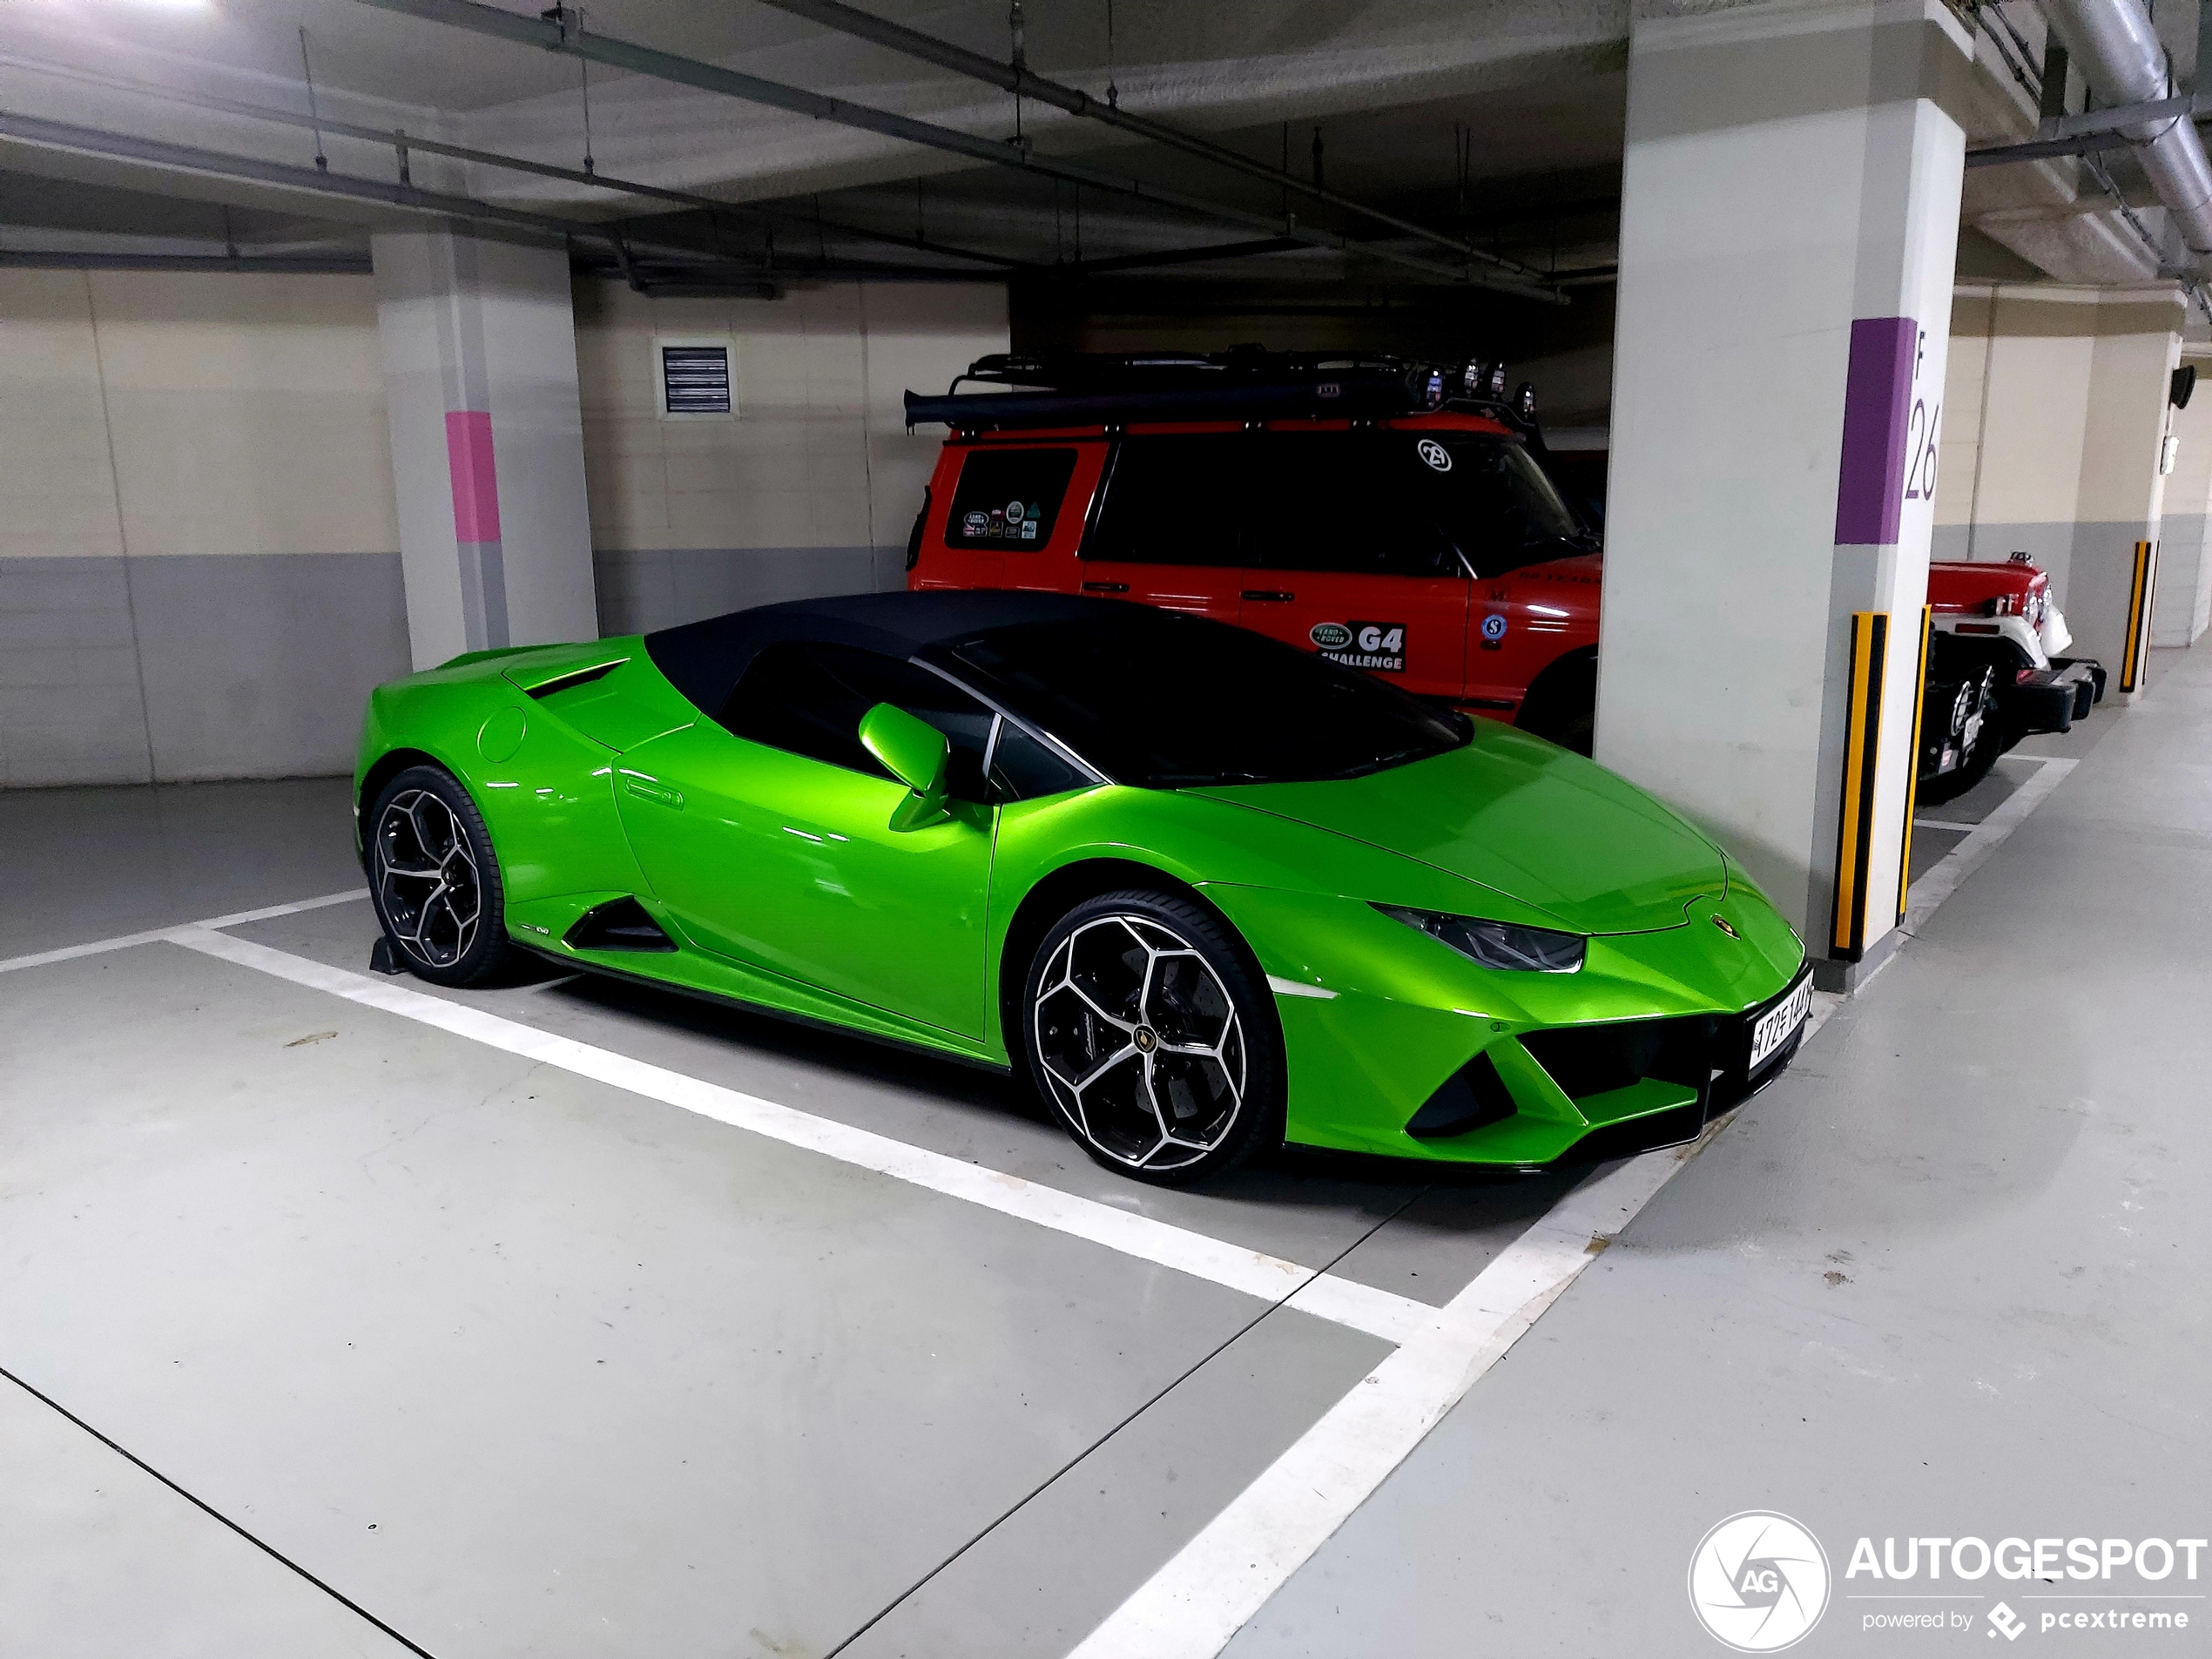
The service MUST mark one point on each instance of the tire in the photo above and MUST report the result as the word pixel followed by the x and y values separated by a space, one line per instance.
pixel 1981 754
pixel 1150 1032
pixel 435 879
pixel 1562 704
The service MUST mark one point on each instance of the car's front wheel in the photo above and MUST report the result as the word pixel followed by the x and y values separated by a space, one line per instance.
pixel 1154 1038
pixel 434 880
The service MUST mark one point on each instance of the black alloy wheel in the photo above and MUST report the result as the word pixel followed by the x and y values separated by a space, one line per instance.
pixel 434 880
pixel 1154 1038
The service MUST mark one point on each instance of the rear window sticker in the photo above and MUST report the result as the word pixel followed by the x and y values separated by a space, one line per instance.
pixel 1494 630
pixel 1378 646
pixel 1030 530
pixel 1434 453
pixel 1000 489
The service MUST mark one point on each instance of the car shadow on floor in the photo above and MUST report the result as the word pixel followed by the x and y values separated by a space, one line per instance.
pixel 1295 1176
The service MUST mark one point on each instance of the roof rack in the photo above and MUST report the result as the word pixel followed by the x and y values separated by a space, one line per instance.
pixel 1245 383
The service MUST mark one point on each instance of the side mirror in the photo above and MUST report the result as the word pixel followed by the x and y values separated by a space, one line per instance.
pixel 915 753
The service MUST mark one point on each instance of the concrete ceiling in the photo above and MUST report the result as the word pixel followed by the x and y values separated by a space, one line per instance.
pixel 1537 87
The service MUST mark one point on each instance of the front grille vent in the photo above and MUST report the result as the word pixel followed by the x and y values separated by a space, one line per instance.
pixel 1587 1060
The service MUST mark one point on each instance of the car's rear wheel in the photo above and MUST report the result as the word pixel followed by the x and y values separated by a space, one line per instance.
pixel 1974 720
pixel 1154 1038
pixel 435 879
pixel 1561 703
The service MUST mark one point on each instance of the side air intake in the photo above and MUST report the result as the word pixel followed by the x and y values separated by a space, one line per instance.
pixel 620 924
pixel 1472 1097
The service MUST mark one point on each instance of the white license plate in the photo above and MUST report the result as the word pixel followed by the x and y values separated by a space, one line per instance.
pixel 1776 1026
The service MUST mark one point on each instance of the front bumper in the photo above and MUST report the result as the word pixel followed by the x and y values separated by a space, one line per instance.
pixel 1403 1048
pixel 2052 699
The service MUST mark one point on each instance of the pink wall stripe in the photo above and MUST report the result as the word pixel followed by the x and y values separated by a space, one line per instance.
pixel 475 487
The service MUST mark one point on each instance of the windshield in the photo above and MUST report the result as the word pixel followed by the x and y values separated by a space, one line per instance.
pixel 1167 701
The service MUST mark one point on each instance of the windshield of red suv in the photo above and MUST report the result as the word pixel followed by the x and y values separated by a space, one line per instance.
pixel 1166 701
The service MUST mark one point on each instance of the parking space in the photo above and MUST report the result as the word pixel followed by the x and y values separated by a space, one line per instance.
pixel 326 1265
pixel 394 1301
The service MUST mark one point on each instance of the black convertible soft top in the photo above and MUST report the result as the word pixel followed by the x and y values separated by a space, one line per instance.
pixel 704 660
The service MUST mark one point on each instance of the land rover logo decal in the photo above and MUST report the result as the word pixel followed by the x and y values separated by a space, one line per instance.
pixel 1379 646
pixel 1435 453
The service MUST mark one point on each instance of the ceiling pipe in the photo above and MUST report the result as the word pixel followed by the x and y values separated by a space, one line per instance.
pixel 2119 54
pixel 61 135
pixel 401 141
pixel 1020 80
pixel 285 264
pixel 553 33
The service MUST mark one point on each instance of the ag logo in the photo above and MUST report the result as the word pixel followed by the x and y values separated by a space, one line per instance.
pixel 1493 627
pixel 1329 636
pixel 1435 453
pixel 1759 1582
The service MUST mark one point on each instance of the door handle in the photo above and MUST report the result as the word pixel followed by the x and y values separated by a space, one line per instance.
pixel 659 795
pixel 1271 595
pixel 1105 587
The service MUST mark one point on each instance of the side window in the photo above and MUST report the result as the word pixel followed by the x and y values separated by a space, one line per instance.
pixel 1343 501
pixel 1176 500
pixel 1491 498
pixel 1024 769
pixel 1009 497
pixel 808 697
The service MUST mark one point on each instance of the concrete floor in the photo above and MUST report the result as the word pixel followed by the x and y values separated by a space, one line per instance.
pixel 352 1334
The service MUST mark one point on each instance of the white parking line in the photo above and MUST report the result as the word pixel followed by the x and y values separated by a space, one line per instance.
pixel 1193 1605
pixel 99 947
pixel 1380 1314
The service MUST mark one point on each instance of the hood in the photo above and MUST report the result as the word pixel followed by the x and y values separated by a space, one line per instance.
pixel 1521 817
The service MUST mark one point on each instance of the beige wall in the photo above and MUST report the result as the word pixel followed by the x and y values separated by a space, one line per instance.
pixel 161 413
pixel 56 487
pixel 818 454
pixel 2183 604
pixel 198 574
pixel 2053 414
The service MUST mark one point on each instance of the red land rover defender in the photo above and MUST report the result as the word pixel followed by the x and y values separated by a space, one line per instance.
pixel 1326 502
pixel 1394 516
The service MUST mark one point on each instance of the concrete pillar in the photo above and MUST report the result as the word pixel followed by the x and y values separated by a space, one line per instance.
pixel 479 346
pixel 1788 226
pixel 2120 498
pixel 2183 604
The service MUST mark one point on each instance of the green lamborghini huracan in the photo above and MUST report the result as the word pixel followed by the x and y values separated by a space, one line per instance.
pixel 1206 892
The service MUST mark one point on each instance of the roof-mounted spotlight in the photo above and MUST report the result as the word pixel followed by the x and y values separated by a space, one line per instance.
pixel 1524 400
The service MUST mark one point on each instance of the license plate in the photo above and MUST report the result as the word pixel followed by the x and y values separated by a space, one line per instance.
pixel 1779 1023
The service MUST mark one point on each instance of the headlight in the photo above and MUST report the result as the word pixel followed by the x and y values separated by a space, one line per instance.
pixel 1496 944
